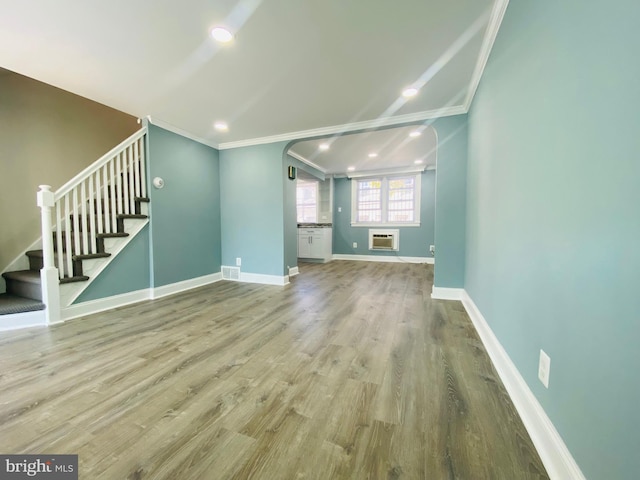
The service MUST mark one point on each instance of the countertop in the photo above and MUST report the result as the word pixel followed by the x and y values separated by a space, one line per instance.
pixel 315 225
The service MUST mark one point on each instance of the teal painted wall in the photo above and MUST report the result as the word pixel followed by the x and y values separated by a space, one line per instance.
pixel 128 272
pixel 451 184
pixel 554 218
pixel 414 241
pixel 252 207
pixel 290 216
pixel 185 214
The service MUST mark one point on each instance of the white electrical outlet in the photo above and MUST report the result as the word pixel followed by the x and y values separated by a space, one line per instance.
pixel 238 261
pixel 355 244
pixel 543 368
pixel 432 249
pixel 339 209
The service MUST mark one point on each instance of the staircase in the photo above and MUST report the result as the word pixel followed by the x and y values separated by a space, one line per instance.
pixel 84 224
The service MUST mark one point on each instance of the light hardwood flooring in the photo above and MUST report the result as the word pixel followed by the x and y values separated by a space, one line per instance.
pixel 350 372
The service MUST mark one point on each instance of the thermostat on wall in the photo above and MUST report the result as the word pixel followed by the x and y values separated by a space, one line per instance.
pixel 158 182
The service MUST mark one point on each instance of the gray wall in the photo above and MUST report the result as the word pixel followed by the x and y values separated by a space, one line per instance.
pixel 554 217
pixel 414 241
pixel 47 136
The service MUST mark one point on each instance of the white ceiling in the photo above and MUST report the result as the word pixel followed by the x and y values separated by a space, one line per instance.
pixel 394 149
pixel 295 68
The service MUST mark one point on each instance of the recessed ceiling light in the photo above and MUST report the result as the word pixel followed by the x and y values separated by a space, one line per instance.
pixel 417 162
pixel 415 133
pixel 221 126
pixel 373 155
pixel 324 146
pixel 409 92
pixel 351 169
pixel 221 34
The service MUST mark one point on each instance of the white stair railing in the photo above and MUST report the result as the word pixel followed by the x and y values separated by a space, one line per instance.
pixel 89 204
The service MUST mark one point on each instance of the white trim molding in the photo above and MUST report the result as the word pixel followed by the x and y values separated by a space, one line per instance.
pixel 348 127
pixel 172 288
pixel 443 293
pixel 264 279
pixel 553 452
pixel 383 258
pixel 178 131
pixel 495 20
pixel 293 271
pixel 102 304
pixel 16 321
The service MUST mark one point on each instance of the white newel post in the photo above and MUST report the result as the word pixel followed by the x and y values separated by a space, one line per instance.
pixel 49 273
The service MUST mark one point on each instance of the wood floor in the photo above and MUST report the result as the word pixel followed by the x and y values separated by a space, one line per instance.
pixel 349 372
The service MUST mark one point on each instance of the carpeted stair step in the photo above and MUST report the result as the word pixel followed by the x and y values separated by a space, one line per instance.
pixel 120 218
pixel 77 278
pixel 36 261
pixel 24 283
pixel 10 304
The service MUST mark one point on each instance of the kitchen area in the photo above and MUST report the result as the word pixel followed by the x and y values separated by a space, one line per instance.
pixel 314 206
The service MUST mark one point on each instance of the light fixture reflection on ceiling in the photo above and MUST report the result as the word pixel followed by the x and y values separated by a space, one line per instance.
pixel 221 126
pixel 351 169
pixel 373 155
pixel 418 162
pixel 324 147
pixel 221 34
pixel 409 92
pixel 415 133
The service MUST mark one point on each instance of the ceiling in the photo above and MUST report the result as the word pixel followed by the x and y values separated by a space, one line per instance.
pixel 295 68
pixel 382 150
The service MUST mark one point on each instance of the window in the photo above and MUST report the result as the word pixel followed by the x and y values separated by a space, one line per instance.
pixel 386 200
pixel 307 201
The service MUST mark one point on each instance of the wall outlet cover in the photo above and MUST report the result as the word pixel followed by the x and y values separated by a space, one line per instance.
pixel 355 244
pixel 238 261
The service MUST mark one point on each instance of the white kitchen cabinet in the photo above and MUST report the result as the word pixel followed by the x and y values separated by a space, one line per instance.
pixel 314 243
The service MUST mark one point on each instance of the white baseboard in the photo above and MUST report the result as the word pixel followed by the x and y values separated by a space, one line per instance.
pixel 178 287
pixel 102 304
pixel 15 321
pixel 555 455
pixel 264 279
pixel 384 258
pixel 293 271
pixel 442 293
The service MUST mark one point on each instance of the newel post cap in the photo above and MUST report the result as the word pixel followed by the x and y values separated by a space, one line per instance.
pixel 45 197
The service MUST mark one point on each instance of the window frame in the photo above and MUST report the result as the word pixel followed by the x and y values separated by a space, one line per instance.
pixel 317 199
pixel 417 194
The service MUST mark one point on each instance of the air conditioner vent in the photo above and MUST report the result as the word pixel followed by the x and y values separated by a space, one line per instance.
pixel 230 273
pixel 384 239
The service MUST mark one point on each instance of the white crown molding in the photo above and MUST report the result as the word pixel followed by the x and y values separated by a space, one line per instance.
pixel 172 128
pixel 443 293
pixel 297 156
pixel 383 258
pixel 385 171
pixel 495 20
pixel 348 127
pixel 555 455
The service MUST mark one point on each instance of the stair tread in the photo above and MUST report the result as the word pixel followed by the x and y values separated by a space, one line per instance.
pixel 79 278
pixel 10 304
pixel 112 235
pixel 34 253
pixel 28 276
pixel 142 199
pixel 89 256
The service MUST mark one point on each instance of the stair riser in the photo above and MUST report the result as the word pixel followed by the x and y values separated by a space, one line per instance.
pixel 137 206
pixel 119 224
pixel 24 289
pixel 35 263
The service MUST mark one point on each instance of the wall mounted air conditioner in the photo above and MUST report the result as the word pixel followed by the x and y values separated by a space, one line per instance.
pixel 384 239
